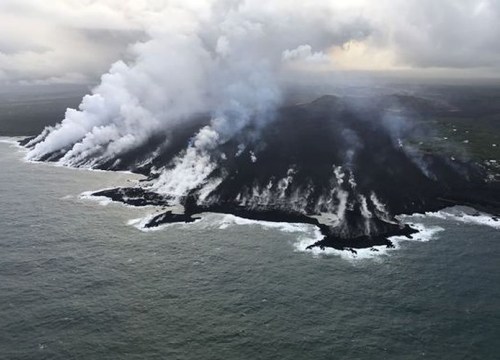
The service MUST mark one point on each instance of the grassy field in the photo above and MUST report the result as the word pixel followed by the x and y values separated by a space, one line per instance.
pixel 468 129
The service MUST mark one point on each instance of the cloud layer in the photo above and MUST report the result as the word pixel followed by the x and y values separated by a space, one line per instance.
pixel 76 41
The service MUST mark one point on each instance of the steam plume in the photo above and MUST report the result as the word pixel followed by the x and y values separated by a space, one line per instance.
pixel 226 60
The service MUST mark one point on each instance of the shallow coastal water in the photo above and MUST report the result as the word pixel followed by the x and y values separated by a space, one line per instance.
pixel 79 281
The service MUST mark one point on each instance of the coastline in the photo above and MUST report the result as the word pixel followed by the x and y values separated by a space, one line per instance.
pixel 192 212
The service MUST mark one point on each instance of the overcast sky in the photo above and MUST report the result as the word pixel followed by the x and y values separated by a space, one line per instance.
pixel 76 41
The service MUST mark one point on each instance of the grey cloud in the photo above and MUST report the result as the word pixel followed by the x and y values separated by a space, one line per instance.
pixel 9 48
pixel 58 42
pixel 57 39
pixel 445 33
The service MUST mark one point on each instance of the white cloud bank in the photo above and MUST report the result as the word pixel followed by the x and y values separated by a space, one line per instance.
pixel 75 40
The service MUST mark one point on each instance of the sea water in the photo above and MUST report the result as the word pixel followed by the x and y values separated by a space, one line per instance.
pixel 79 279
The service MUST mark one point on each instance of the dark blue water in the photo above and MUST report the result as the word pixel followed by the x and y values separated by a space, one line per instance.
pixel 77 282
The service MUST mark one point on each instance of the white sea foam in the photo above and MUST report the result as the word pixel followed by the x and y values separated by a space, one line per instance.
pixel 361 254
pixel 222 222
pixel 306 234
pixel 309 234
pixel 231 220
pixel 104 200
pixel 425 234
pixel 140 223
pixel 11 141
pixel 376 252
pixel 101 200
pixel 456 215
pixel 304 241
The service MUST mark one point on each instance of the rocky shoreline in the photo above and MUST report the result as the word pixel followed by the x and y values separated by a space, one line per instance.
pixel 346 165
pixel 192 212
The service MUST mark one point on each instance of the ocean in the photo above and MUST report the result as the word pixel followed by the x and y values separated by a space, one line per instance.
pixel 79 280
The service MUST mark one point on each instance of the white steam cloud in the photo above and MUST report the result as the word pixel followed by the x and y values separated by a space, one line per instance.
pixel 305 53
pixel 415 35
pixel 225 59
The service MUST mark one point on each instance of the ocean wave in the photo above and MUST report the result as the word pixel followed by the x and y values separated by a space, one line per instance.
pixel 105 201
pixel 426 233
pixel 142 222
pixel 453 214
pixel 232 220
pixel 11 141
